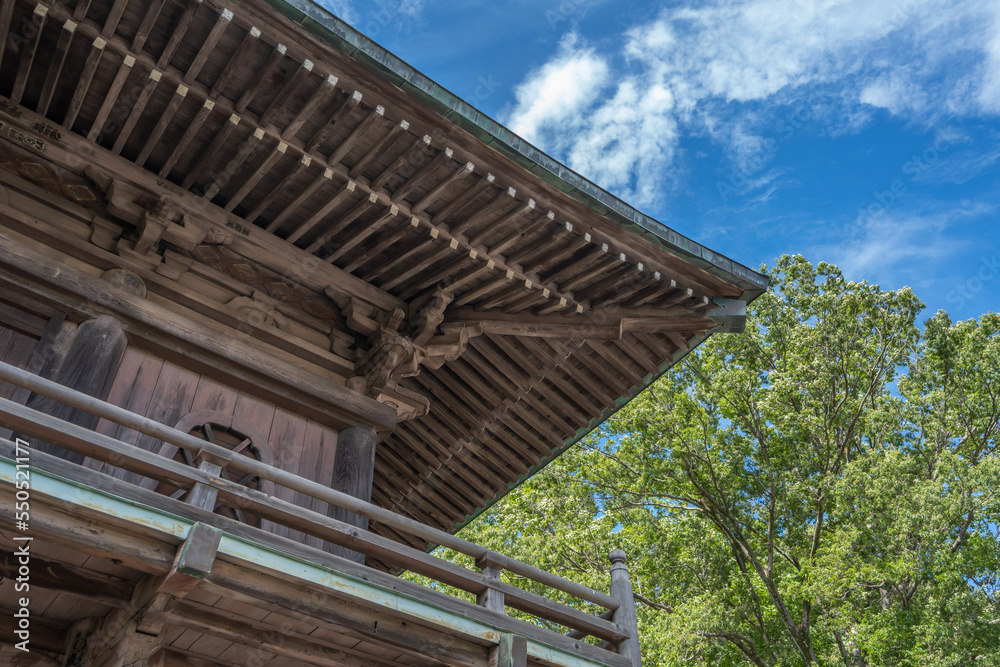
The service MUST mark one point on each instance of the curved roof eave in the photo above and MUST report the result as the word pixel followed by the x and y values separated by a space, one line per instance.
pixel 343 37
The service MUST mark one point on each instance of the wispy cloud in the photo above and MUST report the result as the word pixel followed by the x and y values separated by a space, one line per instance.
pixel 617 116
pixel 903 245
pixel 343 9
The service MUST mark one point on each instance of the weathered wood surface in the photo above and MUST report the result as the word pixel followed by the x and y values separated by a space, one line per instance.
pixel 240 580
pixel 85 442
pixel 353 470
pixel 307 162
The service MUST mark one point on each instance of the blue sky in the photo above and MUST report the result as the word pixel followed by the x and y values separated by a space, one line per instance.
pixel 860 132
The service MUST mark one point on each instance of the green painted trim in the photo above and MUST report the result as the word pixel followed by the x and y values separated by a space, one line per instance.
pixel 332 30
pixel 239 549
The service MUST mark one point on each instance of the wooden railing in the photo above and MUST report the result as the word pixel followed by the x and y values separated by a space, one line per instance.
pixel 615 627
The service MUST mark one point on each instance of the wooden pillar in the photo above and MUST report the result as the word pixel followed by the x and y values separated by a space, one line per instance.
pixel 511 651
pixel 353 471
pixel 621 590
pixel 86 362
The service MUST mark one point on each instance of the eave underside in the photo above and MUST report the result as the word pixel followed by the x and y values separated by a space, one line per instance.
pixel 306 159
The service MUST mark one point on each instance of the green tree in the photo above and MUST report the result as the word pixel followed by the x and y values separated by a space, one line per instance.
pixel 819 490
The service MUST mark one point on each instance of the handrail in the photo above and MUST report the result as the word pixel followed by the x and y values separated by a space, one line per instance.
pixel 138 459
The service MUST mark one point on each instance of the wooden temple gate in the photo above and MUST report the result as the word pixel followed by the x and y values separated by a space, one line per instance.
pixel 277 315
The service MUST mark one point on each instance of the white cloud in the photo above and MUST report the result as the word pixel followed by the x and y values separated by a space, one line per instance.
pixel 706 69
pixel 342 9
pixel 558 92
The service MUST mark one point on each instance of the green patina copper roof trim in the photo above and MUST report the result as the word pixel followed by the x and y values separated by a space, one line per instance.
pixel 352 43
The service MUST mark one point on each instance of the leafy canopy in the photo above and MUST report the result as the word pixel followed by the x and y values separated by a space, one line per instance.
pixel 821 489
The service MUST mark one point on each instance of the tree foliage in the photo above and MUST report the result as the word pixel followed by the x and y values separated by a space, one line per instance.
pixel 819 490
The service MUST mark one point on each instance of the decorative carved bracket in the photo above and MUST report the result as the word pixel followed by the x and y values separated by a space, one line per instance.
pixel 259 310
pixel 156 222
pixel 391 355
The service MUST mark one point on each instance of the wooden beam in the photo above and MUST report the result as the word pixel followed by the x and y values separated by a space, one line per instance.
pixel 166 117
pixel 277 55
pixel 72 579
pixel 6 16
pixel 56 66
pixel 262 170
pixel 287 91
pixel 237 59
pixel 213 150
pixel 136 110
pixel 349 244
pixel 462 199
pixel 435 192
pixel 355 135
pixel 146 27
pixel 502 199
pixel 234 166
pixel 207 46
pixel 356 211
pixel 319 214
pixel 431 165
pixel 409 156
pixel 321 95
pixel 114 16
pixel 258 635
pixel 379 147
pixel 83 83
pixel 279 188
pixel 322 179
pixel 189 134
pixel 180 30
pixel 342 113
pixel 28 49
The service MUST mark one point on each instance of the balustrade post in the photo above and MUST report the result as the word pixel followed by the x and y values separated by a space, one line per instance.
pixel 491 598
pixel 621 590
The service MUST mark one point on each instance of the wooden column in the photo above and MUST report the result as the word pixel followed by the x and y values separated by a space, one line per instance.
pixel 353 471
pixel 621 589
pixel 87 361
pixel 87 364
pixel 511 651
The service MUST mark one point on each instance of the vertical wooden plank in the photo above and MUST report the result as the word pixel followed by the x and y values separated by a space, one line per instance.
pixel 318 458
pixel 257 414
pixel 15 349
pixel 171 400
pixel 132 389
pixel 287 436
pixel 510 651
pixel 214 396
